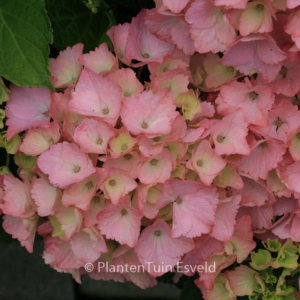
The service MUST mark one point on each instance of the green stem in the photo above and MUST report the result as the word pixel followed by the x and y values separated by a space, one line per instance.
pixel 140 72
pixel 7 160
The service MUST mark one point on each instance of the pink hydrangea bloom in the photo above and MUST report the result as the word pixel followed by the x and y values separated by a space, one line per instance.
pixel 27 108
pixel 264 157
pixel 123 256
pixel 119 36
pixel 65 164
pixel 148 113
pixel 157 247
pixel 80 194
pixel 126 79
pixel 38 140
pixel 254 100
pixel 175 6
pixel 88 245
pixel 115 184
pixel 93 136
pixel 156 168
pixel 170 29
pixel 101 61
pixel 206 163
pixel 59 254
pixel 23 229
pixel 255 18
pixel 96 96
pixel 255 53
pixel 120 222
pixel 284 120
pixel 229 135
pixel 292 27
pixel 65 69
pixel 45 196
pixel 17 199
pixel 210 28
pixel 225 218
pixel 189 198
pixel 142 45
pixel 290 175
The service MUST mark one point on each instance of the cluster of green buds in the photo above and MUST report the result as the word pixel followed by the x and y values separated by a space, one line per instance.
pixel 4 95
pixel 275 271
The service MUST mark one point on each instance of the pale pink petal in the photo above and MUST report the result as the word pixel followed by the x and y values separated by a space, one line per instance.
pixel 66 68
pixel 93 136
pixel 65 164
pixel 26 108
pixel 101 61
pixel 22 229
pixel 157 251
pixel 225 218
pixel 88 245
pixel 120 222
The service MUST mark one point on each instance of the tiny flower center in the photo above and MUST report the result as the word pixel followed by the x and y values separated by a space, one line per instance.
pixel 46 113
pixel 146 55
pixel 199 163
pixel 230 69
pixel 105 111
pixel 124 147
pixel 89 185
pixel 253 95
pixel 77 169
pixel 99 141
pixel 112 182
pixel 144 125
pixel 126 94
pixel 124 212
pixel 153 162
pixel 278 123
pixel 178 200
pixel 263 145
pixel 283 72
pixel 127 156
pixel 96 199
pixel 259 7
pixel 220 138
pixel 156 139
pixel 157 232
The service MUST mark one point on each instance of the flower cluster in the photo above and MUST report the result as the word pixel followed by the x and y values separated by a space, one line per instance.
pixel 186 167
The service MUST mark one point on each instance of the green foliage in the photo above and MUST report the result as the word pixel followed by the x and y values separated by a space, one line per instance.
pixel 73 23
pixel 25 35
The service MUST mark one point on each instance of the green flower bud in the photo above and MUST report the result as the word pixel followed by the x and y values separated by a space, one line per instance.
pixel 272 245
pixel 270 295
pixel 25 162
pixel 5 170
pixel 3 92
pixel 260 260
pixel 282 289
pixel 13 145
pixel 287 256
pixel 57 231
pixel 2 116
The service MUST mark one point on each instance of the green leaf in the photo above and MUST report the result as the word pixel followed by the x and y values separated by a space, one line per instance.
pixel 25 35
pixel 73 23
pixel 191 291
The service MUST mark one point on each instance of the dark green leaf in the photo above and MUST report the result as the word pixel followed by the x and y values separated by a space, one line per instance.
pixel 73 23
pixel 25 35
